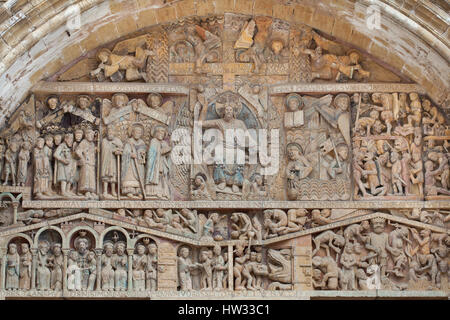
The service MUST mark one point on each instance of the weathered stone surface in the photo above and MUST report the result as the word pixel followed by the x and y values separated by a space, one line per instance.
pixel 97 163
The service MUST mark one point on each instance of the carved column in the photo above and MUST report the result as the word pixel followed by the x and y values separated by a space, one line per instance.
pixel 130 268
pixel 230 268
pixel 33 268
pixel 98 253
pixel 64 281
pixel 15 205
pixel 2 270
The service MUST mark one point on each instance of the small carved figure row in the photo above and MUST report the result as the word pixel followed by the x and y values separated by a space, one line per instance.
pixel 250 272
pixel 367 256
pixel 110 268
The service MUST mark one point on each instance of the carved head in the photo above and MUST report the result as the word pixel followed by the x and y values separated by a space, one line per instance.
pixel 394 156
pixel 103 55
pixel 425 232
pixel 160 212
pixel 58 139
pixel 154 100
pixel 365 225
pixel 82 245
pixel 91 256
pixel 214 217
pixel 413 96
pixel 119 100
pixel 140 248
pixel 184 252
pixel 217 250
pixel 40 143
pixel 256 89
pixel 78 135
pixel 44 246
pixel 294 102
pixel 84 101
pixel 52 102
pixel 108 248
pixel 200 179
pixel 110 132
pixel 277 45
pixel 317 274
pixel 354 57
pixel 316 261
pixel 57 249
pixel 89 133
pixel 294 150
pixel 73 255
pixel 374 114
pixel 368 156
pixel 342 151
pixel 365 98
pixel 378 225
pixel 159 132
pixel 348 248
pixel 259 257
pixel 426 104
pixel 429 166
pixel 120 248
pixel 152 249
pixel 137 132
pixel 357 248
pixel 228 112
pixel 12 248
pixel 25 248
pixel 253 256
pixel 342 101
pixel 49 141
pixel 68 139
pixel 257 178
pixel 14 146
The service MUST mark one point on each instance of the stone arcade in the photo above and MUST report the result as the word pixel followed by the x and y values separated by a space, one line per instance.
pixel 98 202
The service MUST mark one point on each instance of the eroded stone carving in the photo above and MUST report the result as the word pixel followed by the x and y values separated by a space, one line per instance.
pixel 381 255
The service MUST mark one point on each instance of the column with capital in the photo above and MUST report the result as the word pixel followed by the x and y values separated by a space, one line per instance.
pixel 2 270
pixel 98 253
pixel 34 252
pixel 230 268
pixel 130 252
pixel 15 205
pixel 64 281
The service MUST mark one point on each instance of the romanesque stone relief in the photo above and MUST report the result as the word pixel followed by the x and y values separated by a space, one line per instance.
pixel 387 149
pixel 436 154
pixel 119 184
pixel 317 147
pixel 379 254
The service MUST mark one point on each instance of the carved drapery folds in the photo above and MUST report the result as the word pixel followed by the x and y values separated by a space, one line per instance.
pixel 116 178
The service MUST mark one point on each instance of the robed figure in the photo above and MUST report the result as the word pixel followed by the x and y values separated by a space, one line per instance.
pixel 157 169
pixel 133 162
pixel 111 149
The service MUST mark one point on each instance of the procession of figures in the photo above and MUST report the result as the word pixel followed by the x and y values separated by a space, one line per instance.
pixel 380 254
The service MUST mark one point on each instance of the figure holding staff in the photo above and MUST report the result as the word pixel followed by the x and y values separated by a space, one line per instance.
pixel 133 164
pixel 110 163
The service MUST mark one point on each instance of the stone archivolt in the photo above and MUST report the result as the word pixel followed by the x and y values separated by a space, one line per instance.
pixel 94 203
